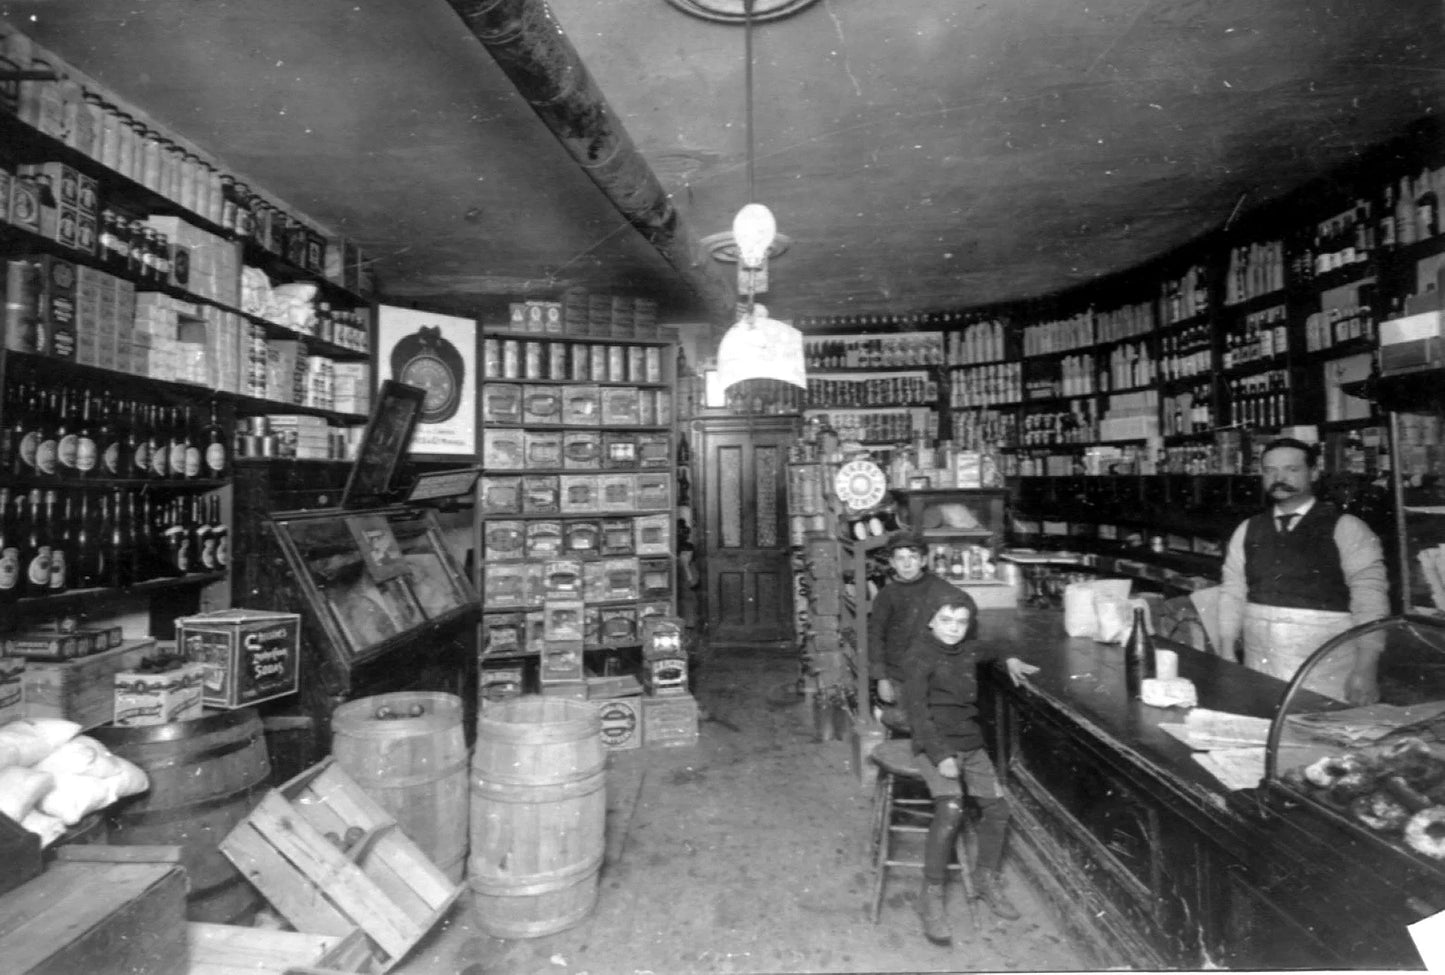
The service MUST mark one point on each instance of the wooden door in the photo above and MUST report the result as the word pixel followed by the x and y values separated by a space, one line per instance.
pixel 740 479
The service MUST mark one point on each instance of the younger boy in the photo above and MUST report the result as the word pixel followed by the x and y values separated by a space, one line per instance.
pixel 941 693
pixel 899 615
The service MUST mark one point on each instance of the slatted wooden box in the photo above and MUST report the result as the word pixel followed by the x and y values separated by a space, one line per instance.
pixel 80 690
pixel 330 859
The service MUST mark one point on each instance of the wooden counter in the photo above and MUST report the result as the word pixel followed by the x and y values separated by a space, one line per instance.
pixel 1150 860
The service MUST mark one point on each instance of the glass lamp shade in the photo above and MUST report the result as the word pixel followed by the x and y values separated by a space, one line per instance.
pixel 761 348
pixel 754 229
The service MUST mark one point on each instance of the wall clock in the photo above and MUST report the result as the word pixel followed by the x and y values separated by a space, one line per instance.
pixel 427 360
pixel 860 484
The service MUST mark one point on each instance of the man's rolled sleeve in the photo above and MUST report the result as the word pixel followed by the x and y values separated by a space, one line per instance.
pixel 1232 594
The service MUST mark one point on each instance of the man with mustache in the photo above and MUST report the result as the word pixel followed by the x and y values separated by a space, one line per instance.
pixel 1300 573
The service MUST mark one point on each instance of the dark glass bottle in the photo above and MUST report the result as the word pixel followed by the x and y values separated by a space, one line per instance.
pixel 67 445
pixel 61 552
pixel 86 570
pixel 47 453
pixel 203 549
pixel 158 443
pixel 177 539
pixel 116 543
pixel 194 464
pixel 216 445
pixel 138 444
pixel 110 438
pixel 178 433
pixel 220 535
pixel 35 554
pixel 85 438
pixel 9 552
pixel 1138 654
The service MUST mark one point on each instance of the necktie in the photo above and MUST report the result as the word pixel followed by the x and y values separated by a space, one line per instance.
pixel 1285 521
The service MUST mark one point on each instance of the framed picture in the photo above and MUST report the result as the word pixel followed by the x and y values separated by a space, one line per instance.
pixel 437 353
pixel 391 427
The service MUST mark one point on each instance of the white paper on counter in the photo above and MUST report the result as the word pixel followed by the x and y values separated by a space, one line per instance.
pixel 1235 768
pixel 1429 937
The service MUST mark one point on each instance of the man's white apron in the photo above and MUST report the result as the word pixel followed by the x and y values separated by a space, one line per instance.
pixel 1278 640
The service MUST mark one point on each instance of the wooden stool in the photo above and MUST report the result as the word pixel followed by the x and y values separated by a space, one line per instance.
pixel 895 815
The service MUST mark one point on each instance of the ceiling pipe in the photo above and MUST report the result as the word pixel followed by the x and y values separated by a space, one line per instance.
pixel 529 46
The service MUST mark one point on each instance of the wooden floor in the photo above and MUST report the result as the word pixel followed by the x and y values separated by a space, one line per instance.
pixel 747 852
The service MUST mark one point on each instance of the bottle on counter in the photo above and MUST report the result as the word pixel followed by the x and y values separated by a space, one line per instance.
pixel 1138 654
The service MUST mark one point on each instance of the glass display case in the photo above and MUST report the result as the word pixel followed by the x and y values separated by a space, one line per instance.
pixel 1378 769
pixel 372 579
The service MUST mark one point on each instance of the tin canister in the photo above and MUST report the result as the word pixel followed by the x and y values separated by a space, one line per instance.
pixel 492 358
pixel 532 363
pixel 653 365
pixel 556 360
pixel 581 365
pixel 599 364
pixel 511 359
pixel 617 363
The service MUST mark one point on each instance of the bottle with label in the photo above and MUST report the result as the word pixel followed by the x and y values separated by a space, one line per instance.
pixel 216 446
pixel 47 452
pixel 117 547
pixel 10 587
pixel 61 554
pixel 67 446
pixel 35 554
pixel 194 464
pixel 220 535
pixel 138 444
pixel 109 438
pixel 158 442
pixel 86 567
pixel 12 436
pixel 85 439
pixel 174 540
pixel 1138 654
pixel 203 546
pixel 178 445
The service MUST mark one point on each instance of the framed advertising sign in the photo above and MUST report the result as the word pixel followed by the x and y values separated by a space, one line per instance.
pixel 437 353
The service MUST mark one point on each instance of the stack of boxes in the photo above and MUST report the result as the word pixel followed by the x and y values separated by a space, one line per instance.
pixel 669 711
pixel 66 204
pixel 580 313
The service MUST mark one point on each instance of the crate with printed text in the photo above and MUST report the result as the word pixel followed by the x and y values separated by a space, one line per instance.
pixel 250 655
pixel 669 722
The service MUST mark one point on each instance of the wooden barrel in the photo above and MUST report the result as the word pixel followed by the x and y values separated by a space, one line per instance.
pixel 408 751
pixel 206 775
pixel 539 807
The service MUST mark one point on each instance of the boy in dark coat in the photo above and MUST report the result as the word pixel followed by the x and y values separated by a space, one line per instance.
pixel 941 694
pixel 899 615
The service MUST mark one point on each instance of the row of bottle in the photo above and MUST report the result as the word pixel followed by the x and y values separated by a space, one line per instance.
pixel 979 342
pixel 989 385
pixel 1184 297
pixel 1260 335
pixel 1186 412
pixel 962 563
pixel 890 391
pixel 873 427
pixel 73 433
pixel 1187 352
pixel 54 540
pixel 1076 426
pixel 984 429
pixel 1254 269
pixel 1260 401
pixel 58 105
pixel 1331 326
pixel 881 352
pixel 128 246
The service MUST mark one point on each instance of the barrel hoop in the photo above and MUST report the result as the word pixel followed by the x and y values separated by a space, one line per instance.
pixel 552 734
pixel 573 785
pixel 535 883
pixel 205 754
pixel 405 781
pixel 175 730
pixel 167 814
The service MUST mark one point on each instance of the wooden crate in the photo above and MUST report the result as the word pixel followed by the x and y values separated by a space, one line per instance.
pixel 96 917
pixel 330 859
pixel 80 690
pixel 669 722
pixel 226 949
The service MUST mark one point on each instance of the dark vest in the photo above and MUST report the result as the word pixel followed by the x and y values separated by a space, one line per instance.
pixel 1297 569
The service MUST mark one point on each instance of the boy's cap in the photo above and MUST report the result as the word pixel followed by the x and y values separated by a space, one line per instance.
pixel 907 539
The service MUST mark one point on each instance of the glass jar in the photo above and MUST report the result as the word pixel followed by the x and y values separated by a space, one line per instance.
pixel 125 145
pixel 186 194
pixel 150 158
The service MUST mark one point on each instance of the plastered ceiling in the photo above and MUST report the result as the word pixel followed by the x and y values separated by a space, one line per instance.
pixel 920 154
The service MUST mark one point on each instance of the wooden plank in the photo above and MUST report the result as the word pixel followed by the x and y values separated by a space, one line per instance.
pixel 298 901
pixel 228 947
pixel 311 854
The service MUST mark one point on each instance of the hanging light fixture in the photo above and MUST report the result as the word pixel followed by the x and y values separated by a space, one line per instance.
pixel 757 346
